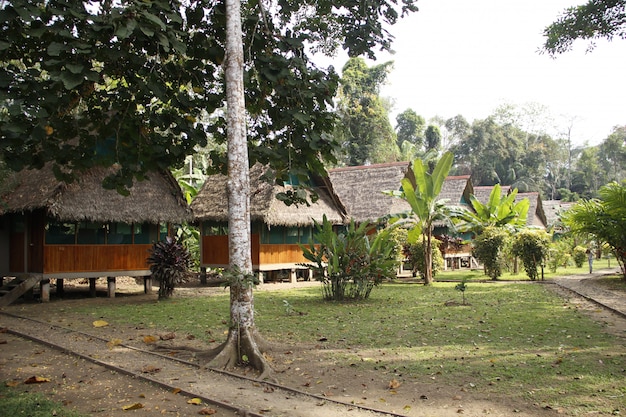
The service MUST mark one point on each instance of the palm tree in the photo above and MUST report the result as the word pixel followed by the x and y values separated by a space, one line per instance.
pixel 421 189
pixel 497 212
pixel 603 218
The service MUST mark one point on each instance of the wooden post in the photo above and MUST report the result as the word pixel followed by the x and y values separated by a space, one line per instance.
pixel 60 288
pixel 203 275
pixel 147 284
pixel 111 287
pixel 44 287
pixel 92 287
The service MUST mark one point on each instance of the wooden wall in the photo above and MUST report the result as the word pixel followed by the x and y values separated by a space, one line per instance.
pixel 85 258
pixel 215 252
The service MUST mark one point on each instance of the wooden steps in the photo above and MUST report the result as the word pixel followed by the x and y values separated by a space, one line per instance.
pixel 14 288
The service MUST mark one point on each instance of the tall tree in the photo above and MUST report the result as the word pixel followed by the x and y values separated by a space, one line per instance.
pixel 597 19
pixel 364 131
pixel 126 83
pixel 612 154
pixel 410 128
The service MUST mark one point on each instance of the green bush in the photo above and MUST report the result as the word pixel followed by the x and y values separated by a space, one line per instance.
pixel 169 262
pixel 487 248
pixel 579 253
pixel 415 253
pixel 351 263
pixel 531 246
pixel 559 255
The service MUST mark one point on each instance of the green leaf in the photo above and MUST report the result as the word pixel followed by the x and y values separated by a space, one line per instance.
pixel 55 49
pixel 70 80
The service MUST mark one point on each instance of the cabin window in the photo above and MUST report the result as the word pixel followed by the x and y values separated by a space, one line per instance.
pixel 91 233
pixel 163 232
pixel 282 234
pixel 214 228
pixel 144 233
pixel 59 233
pixel 120 234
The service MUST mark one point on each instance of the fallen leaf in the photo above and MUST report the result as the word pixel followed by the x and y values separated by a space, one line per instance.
pixel 36 380
pixel 195 401
pixel 168 336
pixel 150 369
pixel 112 343
pixel 135 406
pixel 176 390
pixel 149 339
pixel 207 412
pixel 100 323
pixel 394 384
pixel 407 407
pixel 12 383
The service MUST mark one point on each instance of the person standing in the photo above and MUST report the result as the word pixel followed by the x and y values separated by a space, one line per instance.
pixel 590 259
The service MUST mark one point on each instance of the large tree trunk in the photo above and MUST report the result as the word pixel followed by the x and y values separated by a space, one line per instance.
pixel 241 344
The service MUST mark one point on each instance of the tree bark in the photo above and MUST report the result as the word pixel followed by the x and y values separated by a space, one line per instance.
pixel 428 276
pixel 241 346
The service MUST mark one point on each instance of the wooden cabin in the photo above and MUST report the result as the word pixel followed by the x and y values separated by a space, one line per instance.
pixel 276 229
pixel 362 191
pixel 53 230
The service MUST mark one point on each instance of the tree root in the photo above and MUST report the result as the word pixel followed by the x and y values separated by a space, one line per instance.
pixel 242 346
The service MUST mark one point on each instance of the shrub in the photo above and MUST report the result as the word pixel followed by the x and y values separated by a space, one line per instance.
pixel 579 253
pixel 487 248
pixel 350 263
pixel 169 261
pixel 559 255
pixel 416 254
pixel 531 246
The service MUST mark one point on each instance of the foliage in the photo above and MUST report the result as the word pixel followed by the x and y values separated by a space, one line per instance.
pixel 131 82
pixel 531 246
pixel 364 130
pixel 593 20
pixel 499 211
pixel 421 188
pixel 579 256
pixel 169 261
pixel 415 252
pixel 559 254
pixel 487 248
pixel 410 128
pixel 604 219
pixel 351 263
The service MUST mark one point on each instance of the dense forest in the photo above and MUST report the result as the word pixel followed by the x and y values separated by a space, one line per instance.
pixel 510 147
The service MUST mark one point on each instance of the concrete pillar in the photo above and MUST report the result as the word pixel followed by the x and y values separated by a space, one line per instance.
pixel 261 276
pixel 92 287
pixel 147 284
pixel 293 277
pixel 111 287
pixel 44 287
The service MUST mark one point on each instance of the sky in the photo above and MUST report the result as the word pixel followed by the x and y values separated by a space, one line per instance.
pixel 469 57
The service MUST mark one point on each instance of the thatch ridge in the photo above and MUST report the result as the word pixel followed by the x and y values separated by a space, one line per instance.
pixel 157 199
pixel 211 203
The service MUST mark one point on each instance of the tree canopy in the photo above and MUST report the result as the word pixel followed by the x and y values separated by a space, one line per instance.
pixel 140 84
pixel 593 20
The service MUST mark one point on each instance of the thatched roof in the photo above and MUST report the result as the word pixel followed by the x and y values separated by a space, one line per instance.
pixel 536 215
pixel 211 203
pixel 553 210
pixel 155 200
pixel 361 189
pixel 483 192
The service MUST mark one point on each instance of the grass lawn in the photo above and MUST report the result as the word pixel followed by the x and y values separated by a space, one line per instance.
pixel 517 339
pixel 15 403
